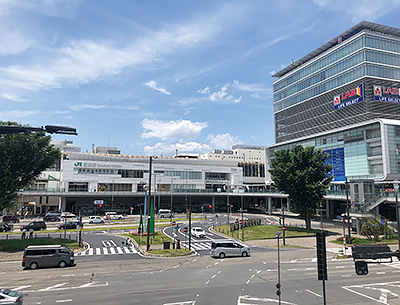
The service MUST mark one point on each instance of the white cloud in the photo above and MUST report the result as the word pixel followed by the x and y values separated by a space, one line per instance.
pixel 165 149
pixel 80 107
pixel 182 130
pixel 222 141
pixel 17 114
pixel 153 85
pixel 12 97
pixel 258 90
pixel 220 96
pixel 83 61
pixel 360 10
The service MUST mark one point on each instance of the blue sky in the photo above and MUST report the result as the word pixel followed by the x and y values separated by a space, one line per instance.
pixel 150 77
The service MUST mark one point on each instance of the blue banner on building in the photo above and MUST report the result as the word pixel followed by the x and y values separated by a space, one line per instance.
pixel 336 159
pixel 349 98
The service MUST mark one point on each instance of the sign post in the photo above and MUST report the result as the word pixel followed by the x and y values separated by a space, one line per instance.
pixel 185 229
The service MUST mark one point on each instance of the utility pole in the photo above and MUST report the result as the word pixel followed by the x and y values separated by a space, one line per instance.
pixel 190 222
pixel 148 206
pixel 283 225
pixel 348 212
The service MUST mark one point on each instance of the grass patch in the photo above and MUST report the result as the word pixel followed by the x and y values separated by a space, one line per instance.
pixel 265 232
pixel 11 245
pixel 157 239
pixel 355 241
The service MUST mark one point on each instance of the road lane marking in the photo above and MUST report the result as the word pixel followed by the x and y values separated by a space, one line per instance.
pixel 63 301
pixel 314 293
pixel 53 286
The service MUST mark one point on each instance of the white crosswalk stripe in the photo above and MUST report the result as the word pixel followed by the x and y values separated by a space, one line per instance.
pixel 197 245
pixel 107 251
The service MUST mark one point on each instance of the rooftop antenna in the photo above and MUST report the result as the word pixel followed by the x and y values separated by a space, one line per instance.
pixel 176 152
pixel 92 147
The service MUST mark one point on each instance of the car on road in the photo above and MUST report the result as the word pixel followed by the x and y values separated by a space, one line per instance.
pixel 10 218
pixel 35 226
pixel 67 215
pixel 95 219
pixel 47 256
pixel 198 232
pixel 113 216
pixel 5 227
pixel 164 213
pixel 8 296
pixel 224 248
pixel 52 216
pixel 69 225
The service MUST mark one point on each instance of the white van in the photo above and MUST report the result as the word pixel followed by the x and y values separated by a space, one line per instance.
pixel 226 247
pixel 164 213
pixel 95 219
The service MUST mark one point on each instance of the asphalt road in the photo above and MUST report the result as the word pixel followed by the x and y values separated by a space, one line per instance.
pixel 204 280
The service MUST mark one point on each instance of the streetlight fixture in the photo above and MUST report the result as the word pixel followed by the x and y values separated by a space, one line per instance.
pixel 278 285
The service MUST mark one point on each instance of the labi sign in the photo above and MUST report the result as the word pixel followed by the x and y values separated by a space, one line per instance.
pixel 387 94
pixel 349 98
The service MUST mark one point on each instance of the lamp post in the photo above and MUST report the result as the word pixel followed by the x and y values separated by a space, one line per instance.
pixel 396 189
pixel 148 207
pixel 348 212
pixel 227 205
pixel 278 285
pixel 172 190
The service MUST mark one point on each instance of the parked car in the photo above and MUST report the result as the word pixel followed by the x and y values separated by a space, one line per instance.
pixel 225 248
pixel 35 226
pixel 8 296
pixel 5 227
pixel 69 224
pixel 164 213
pixel 95 219
pixel 198 232
pixel 52 216
pixel 67 215
pixel 10 218
pixel 47 256
pixel 113 216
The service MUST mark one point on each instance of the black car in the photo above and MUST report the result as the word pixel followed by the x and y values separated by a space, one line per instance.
pixel 5 227
pixel 35 226
pixel 68 224
pixel 52 217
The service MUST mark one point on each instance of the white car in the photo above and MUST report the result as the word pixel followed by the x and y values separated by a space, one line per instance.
pixel 113 216
pixel 67 215
pixel 95 219
pixel 198 232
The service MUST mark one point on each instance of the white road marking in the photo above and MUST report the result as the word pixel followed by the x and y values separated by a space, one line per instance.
pixel 53 286
pixel 63 301
pixel 314 293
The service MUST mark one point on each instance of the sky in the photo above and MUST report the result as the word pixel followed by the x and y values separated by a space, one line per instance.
pixel 156 77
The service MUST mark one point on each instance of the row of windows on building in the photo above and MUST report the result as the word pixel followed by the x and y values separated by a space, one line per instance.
pixel 369 41
pixel 126 187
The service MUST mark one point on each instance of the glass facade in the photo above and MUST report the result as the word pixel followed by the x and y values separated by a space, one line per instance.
pixel 303 97
pixel 330 71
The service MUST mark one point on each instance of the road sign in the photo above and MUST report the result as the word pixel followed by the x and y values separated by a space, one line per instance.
pixel 283 228
pixel 173 222
pixel 98 202
pixel 353 204
pixel 185 229
pixel 240 221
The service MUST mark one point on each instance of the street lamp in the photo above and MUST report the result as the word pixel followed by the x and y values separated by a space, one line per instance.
pixel 148 207
pixel 396 189
pixel 278 285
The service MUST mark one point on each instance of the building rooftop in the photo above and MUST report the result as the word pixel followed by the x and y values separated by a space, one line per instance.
pixel 363 25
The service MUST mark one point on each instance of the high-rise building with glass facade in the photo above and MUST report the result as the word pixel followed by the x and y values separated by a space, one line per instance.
pixel 333 86
pixel 344 98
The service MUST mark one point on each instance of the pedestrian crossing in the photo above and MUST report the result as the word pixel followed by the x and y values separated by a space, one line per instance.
pixel 197 245
pixel 107 251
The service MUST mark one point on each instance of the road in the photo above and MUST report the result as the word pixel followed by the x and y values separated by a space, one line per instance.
pixel 204 280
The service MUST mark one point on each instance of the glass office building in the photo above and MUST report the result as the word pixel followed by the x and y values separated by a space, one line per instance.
pixel 344 98
pixel 353 78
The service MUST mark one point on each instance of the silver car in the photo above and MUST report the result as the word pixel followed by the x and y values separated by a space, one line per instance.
pixel 8 296
pixel 225 248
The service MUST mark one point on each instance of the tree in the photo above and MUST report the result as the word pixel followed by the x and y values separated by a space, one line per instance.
pixel 303 175
pixel 23 156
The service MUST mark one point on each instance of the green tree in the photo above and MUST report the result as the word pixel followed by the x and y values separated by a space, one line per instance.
pixel 371 229
pixel 303 175
pixel 23 156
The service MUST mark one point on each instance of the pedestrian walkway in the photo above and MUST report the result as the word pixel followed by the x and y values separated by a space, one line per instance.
pixel 204 245
pixel 107 251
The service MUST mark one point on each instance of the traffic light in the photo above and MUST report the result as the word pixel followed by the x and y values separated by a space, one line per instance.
pixel 278 286
pixel 210 206
pixel 100 205
pixel 361 267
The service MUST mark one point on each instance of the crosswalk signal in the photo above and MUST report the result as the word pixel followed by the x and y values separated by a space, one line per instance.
pixel 278 286
pixel 361 267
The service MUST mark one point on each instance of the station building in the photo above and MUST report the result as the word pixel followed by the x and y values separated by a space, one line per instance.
pixel 344 98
